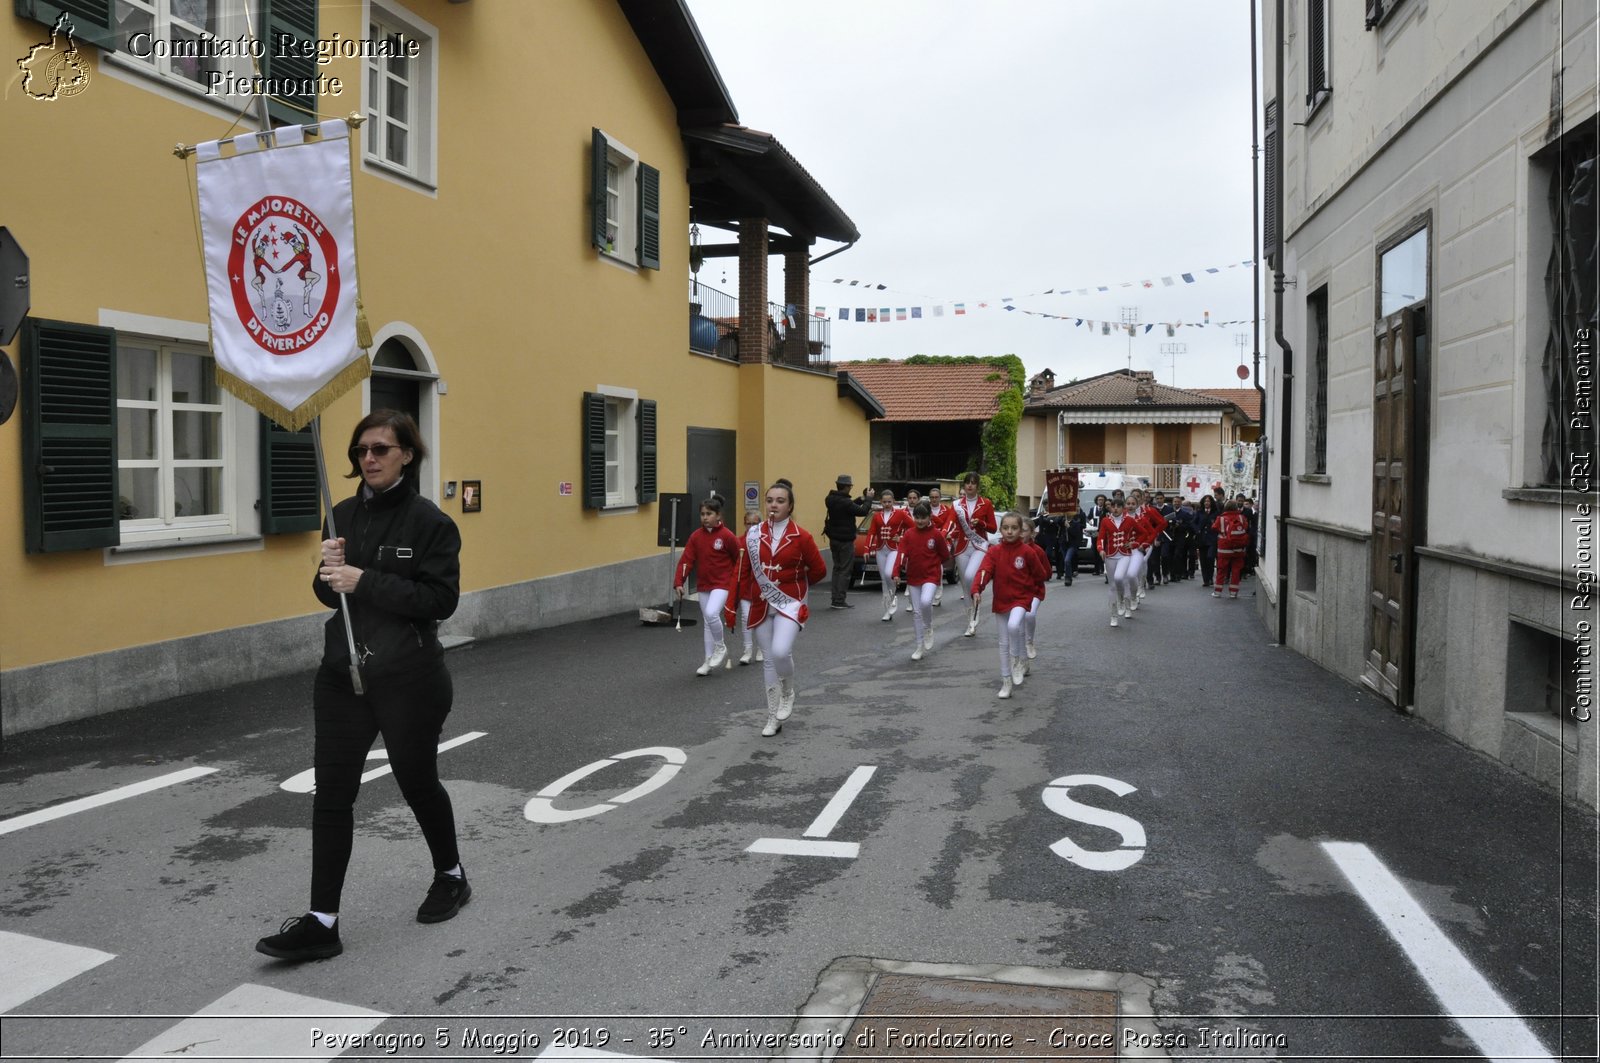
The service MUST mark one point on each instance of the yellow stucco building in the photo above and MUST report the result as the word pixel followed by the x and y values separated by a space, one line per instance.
pixel 524 182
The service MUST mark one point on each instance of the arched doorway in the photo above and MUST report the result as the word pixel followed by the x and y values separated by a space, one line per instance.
pixel 401 381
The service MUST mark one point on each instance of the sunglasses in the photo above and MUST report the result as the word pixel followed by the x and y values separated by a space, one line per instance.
pixel 379 450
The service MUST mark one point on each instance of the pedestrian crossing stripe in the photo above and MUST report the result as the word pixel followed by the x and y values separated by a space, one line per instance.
pixel 260 1022
pixel 34 966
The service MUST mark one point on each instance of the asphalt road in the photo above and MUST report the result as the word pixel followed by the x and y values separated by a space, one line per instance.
pixel 1250 843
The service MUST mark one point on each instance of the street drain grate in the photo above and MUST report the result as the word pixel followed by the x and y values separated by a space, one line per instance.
pixel 918 1017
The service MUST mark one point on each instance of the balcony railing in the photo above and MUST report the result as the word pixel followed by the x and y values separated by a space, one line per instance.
pixel 714 327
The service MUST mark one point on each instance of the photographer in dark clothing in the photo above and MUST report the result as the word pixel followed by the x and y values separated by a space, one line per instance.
pixel 840 527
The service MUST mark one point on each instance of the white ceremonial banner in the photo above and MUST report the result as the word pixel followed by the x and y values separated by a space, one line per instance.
pixel 1196 481
pixel 278 227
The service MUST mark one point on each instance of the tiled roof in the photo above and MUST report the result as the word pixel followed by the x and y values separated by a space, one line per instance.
pixel 931 392
pixel 1247 399
pixel 1118 390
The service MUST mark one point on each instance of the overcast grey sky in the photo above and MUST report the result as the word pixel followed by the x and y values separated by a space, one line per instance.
pixel 1004 148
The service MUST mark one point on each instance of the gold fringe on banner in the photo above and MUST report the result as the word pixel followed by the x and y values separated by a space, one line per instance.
pixel 302 415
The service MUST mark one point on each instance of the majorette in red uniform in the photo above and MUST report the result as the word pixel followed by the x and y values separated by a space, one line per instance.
pixel 1014 569
pixel 923 553
pixel 1118 540
pixel 783 561
pixel 712 554
pixel 883 538
pixel 744 595
pixel 943 517
pixel 969 535
pixel 1150 522
pixel 1038 599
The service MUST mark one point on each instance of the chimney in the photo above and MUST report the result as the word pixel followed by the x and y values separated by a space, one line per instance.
pixel 1041 384
pixel 1144 386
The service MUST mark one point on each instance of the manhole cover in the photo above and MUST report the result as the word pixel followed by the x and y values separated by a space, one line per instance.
pixel 918 1017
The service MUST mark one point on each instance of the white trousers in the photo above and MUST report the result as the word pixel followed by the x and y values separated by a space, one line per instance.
pixel 967 563
pixel 887 556
pixel 744 623
pixel 1033 620
pixel 1011 638
pixel 922 607
pixel 1120 568
pixel 711 603
pixel 775 635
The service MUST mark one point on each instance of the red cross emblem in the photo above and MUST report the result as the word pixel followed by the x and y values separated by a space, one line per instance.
pixel 1193 484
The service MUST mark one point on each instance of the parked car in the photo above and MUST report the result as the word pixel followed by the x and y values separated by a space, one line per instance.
pixel 866 563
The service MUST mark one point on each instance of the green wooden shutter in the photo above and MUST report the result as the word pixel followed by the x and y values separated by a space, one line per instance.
pixel 598 155
pixel 290 499
pixel 295 19
pixel 649 217
pixel 594 450
pixel 69 437
pixel 91 19
pixel 647 450
pixel 1269 228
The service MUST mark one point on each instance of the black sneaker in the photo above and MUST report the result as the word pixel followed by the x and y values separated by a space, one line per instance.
pixel 445 898
pixel 302 938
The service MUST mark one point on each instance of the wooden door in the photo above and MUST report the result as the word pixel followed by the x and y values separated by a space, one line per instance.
pixel 1389 604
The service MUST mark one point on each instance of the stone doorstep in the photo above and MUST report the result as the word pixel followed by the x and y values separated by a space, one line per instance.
pixel 963 1011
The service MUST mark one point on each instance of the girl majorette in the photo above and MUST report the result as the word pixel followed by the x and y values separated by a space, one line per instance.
pixel 745 590
pixel 783 560
pixel 923 552
pixel 712 554
pixel 1016 569
pixel 943 517
pixel 970 530
pixel 889 523
pixel 1117 540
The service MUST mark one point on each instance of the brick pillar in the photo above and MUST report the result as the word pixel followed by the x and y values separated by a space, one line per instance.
pixel 753 291
pixel 797 293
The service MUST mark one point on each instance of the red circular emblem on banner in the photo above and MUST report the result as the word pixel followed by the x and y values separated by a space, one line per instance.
pixel 284 272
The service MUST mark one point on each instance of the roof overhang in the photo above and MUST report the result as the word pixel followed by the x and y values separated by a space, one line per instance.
pixel 670 38
pixel 737 173
pixel 853 389
pixel 1154 415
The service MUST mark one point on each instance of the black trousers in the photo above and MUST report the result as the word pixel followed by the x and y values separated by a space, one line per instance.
pixel 844 560
pixel 409 711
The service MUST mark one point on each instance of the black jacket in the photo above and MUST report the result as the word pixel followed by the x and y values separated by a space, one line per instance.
pixel 409 554
pixel 843 513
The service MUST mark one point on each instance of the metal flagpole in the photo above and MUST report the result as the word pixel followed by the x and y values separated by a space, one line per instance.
pixel 316 422
pixel 333 533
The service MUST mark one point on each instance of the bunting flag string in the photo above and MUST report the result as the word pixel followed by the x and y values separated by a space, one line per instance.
pixel 1170 280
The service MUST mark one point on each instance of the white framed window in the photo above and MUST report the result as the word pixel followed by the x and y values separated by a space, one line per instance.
pixel 176 475
pixel 619 472
pixel 190 43
pixel 622 203
pixel 401 93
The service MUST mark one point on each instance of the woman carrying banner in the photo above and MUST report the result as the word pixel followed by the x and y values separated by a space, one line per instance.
pixel 398 561
pixel 783 560
pixel 973 524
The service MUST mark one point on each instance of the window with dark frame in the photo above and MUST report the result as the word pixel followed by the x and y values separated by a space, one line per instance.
pixel 1318 87
pixel 1317 383
pixel 1570 294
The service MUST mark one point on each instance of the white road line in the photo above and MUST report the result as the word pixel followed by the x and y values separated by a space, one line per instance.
pixel 83 804
pixel 378 773
pixel 1467 996
pixel 804 847
pixel 829 818
pixel 34 966
pixel 258 1022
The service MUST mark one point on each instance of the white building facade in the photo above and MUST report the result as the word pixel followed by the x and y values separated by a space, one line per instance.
pixel 1437 216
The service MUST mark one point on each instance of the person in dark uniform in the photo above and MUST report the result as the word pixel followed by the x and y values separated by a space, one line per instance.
pixel 398 562
pixel 840 528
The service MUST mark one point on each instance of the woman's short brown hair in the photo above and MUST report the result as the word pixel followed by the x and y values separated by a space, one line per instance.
pixel 405 432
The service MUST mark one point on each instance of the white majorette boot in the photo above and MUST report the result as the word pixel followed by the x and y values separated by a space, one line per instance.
pixel 1005 688
pixel 1133 603
pixel 786 696
pixel 759 656
pixel 916 654
pixel 705 667
pixel 1032 653
pixel 719 657
pixel 772 725
pixel 1141 592
pixel 1019 671
pixel 746 658
pixel 927 642
pixel 1116 611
